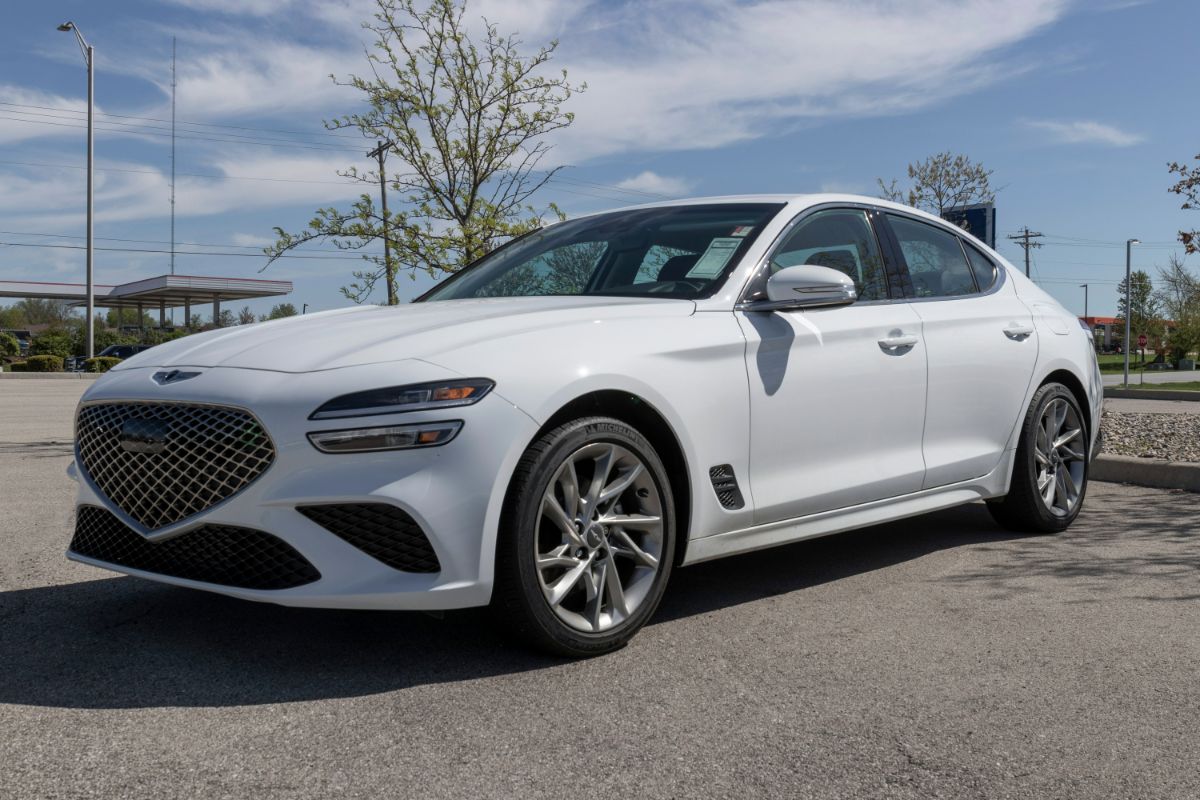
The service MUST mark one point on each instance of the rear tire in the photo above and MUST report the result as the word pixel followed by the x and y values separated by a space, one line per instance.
pixel 1050 470
pixel 586 539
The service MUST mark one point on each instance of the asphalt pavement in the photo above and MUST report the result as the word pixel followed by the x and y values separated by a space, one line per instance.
pixel 935 657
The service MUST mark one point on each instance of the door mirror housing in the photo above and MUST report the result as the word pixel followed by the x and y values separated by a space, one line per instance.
pixel 807 286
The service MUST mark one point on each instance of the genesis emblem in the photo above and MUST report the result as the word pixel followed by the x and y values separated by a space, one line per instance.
pixel 146 436
pixel 173 376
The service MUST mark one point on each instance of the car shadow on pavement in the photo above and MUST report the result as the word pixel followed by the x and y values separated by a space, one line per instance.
pixel 128 643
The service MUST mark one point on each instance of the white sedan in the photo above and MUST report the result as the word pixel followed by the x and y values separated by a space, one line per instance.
pixel 555 428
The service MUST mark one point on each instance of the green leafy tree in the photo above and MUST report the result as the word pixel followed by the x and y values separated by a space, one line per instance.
pixel 44 312
pixel 13 317
pixel 1178 294
pixel 1188 187
pixel 9 346
pixel 279 311
pixel 55 342
pixel 467 120
pixel 940 182
pixel 1145 315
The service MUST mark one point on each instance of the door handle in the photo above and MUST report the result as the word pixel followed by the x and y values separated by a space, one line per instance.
pixel 897 342
pixel 1018 332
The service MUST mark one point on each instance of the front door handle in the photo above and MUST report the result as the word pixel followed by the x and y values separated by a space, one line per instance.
pixel 1018 332
pixel 898 341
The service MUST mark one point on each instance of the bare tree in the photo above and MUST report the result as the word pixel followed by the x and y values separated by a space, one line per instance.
pixel 942 181
pixel 1188 187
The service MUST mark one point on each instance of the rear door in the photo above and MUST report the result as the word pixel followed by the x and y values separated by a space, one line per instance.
pixel 981 348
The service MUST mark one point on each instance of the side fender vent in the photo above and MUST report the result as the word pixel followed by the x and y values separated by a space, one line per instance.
pixel 726 486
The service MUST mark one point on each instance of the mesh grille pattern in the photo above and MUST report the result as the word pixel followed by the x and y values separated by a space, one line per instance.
pixel 206 455
pixel 726 486
pixel 380 530
pixel 220 554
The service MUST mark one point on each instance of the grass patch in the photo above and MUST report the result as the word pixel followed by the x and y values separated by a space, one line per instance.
pixel 1182 386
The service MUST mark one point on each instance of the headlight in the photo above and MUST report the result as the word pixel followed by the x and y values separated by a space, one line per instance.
pixel 413 397
pixel 390 437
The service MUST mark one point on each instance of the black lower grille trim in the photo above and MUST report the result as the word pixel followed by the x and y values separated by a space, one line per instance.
pixel 382 531
pixel 221 554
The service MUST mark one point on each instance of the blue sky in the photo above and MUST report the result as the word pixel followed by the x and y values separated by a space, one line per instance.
pixel 1077 106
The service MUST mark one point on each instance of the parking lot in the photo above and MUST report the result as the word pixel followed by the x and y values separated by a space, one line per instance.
pixel 937 657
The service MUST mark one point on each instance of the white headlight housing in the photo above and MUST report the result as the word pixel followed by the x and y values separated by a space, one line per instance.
pixel 388 437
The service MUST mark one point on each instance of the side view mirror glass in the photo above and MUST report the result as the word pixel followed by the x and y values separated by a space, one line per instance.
pixel 809 286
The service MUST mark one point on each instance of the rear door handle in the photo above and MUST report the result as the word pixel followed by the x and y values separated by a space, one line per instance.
pixel 898 342
pixel 1018 332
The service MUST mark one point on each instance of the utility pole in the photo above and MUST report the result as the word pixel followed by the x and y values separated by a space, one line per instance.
pixel 1025 239
pixel 378 154
pixel 89 56
pixel 1091 328
pixel 172 160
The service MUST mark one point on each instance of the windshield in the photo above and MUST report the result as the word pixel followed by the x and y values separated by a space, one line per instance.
pixel 669 251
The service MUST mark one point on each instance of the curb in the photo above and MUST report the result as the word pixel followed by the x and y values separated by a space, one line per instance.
pixel 1151 472
pixel 52 376
pixel 1151 394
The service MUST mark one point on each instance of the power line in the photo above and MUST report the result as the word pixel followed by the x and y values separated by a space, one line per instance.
pixel 178 252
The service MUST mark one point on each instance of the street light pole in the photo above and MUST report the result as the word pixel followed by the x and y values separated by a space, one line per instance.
pixel 89 56
pixel 1084 286
pixel 1128 294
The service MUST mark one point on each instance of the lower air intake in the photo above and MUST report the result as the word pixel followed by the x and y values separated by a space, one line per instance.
pixel 219 554
pixel 382 531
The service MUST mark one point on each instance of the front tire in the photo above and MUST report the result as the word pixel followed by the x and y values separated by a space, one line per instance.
pixel 586 539
pixel 1050 472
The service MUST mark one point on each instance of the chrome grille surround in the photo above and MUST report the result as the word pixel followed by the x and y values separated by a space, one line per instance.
pixel 210 453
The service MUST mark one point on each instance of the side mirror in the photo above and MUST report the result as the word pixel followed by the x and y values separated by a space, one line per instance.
pixel 808 286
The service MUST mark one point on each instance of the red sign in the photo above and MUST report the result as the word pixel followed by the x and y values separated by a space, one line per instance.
pixel 1142 340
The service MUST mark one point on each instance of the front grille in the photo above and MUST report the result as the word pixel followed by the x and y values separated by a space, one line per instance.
pixel 382 531
pixel 181 459
pixel 220 554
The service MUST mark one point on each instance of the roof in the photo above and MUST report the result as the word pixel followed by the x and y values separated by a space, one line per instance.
pixel 171 291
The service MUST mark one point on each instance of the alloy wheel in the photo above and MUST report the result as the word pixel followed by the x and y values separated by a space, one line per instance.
pixel 599 537
pixel 1059 453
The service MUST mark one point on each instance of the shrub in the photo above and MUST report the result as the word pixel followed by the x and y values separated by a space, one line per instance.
pixel 18 366
pixel 100 363
pixel 53 343
pixel 44 363
pixel 9 346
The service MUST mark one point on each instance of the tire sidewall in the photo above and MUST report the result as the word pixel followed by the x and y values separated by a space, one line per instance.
pixel 523 522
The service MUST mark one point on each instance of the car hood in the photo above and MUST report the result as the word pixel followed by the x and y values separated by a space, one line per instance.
pixel 374 334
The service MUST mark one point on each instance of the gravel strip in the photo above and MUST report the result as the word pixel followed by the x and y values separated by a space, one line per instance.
pixel 1173 437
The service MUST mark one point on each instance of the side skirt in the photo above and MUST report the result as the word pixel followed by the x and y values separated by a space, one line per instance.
pixel 772 534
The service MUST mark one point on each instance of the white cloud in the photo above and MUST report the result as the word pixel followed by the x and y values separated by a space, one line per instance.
pixel 654 184
pixel 251 240
pixel 257 8
pixel 843 187
pixel 1086 132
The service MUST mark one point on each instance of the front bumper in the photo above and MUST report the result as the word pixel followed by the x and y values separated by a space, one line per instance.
pixel 453 492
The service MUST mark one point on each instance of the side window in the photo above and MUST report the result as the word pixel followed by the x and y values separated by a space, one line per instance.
pixel 983 267
pixel 936 262
pixel 841 239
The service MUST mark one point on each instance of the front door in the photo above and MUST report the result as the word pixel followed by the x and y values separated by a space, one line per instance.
pixel 837 395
